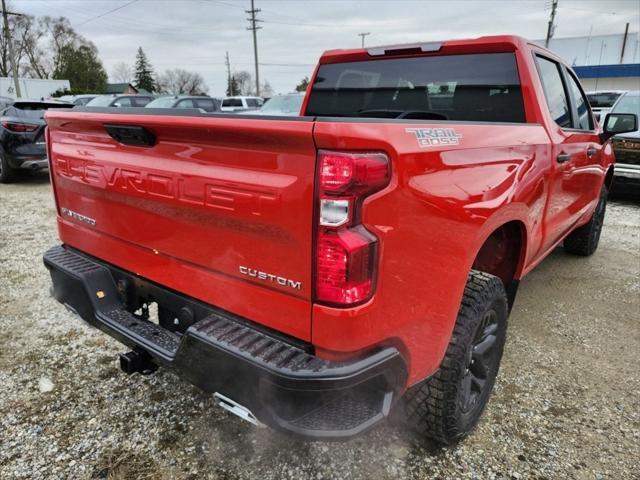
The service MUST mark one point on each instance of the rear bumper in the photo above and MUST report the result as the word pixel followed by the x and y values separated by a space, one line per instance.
pixel 283 384
pixel 627 171
pixel 29 162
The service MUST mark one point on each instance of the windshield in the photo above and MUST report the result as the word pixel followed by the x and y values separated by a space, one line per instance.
pixel 602 99
pixel 103 101
pixel 283 103
pixel 478 87
pixel 629 103
pixel 164 102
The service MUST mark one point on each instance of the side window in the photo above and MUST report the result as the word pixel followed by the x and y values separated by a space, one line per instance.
pixel 554 91
pixel 252 102
pixel 140 101
pixel 585 121
pixel 122 102
pixel 206 104
pixel 185 104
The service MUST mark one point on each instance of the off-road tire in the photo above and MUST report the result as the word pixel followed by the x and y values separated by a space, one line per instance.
pixel 435 407
pixel 7 173
pixel 584 240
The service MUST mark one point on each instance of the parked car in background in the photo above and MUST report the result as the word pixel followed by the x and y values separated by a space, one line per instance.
pixel 626 146
pixel 280 105
pixel 22 143
pixel 207 104
pixel 239 104
pixel 602 101
pixel 78 100
pixel 120 101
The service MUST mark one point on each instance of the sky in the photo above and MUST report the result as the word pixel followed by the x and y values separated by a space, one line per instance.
pixel 195 34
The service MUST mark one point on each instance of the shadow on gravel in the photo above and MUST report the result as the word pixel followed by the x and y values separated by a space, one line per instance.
pixel 625 195
pixel 36 178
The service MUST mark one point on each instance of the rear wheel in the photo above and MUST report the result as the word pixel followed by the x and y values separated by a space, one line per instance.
pixel 584 240
pixel 448 405
pixel 7 173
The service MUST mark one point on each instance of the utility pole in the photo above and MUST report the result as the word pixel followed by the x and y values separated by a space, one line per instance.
pixel 7 33
pixel 254 27
pixel 551 27
pixel 363 34
pixel 228 64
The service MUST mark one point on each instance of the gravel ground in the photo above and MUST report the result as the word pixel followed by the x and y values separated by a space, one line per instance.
pixel 566 404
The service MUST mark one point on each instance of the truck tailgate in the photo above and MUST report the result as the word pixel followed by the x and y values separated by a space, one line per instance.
pixel 219 208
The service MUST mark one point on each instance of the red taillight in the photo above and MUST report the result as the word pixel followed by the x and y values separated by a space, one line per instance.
pixel 346 253
pixel 345 265
pixel 19 127
pixel 357 173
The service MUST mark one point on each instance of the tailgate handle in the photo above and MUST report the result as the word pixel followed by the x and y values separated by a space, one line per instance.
pixel 131 135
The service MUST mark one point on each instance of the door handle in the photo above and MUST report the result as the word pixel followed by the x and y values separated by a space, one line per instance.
pixel 563 157
pixel 591 151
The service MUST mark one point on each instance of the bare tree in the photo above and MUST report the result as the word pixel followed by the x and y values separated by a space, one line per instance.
pixel 178 82
pixel 247 86
pixel 245 82
pixel 122 73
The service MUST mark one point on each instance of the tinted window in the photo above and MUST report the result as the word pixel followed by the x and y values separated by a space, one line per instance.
pixel 582 105
pixel 252 102
pixel 603 99
pixel 554 91
pixel 207 104
pixel 232 102
pixel 483 87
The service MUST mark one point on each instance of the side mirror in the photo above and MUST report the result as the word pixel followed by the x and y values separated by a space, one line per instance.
pixel 615 123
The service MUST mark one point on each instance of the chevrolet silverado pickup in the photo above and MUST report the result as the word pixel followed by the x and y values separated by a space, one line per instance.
pixel 319 273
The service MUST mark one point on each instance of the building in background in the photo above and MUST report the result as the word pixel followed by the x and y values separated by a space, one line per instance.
pixel 603 62
pixel 32 88
pixel 121 88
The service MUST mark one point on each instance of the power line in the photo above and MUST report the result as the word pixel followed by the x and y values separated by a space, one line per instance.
pixel 105 13
pixel 253 21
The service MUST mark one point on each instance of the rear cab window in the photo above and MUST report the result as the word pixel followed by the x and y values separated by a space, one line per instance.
pixel 468 87
pixel 603 99
pixel 232 102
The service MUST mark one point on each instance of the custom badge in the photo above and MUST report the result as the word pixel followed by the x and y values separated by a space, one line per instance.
pixel 432 137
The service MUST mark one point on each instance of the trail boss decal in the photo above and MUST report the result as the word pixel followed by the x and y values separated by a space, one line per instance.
pixel 432 137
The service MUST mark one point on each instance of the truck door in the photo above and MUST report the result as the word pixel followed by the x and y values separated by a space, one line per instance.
pixel 575 176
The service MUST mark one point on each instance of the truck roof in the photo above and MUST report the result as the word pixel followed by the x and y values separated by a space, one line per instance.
pixel 486 44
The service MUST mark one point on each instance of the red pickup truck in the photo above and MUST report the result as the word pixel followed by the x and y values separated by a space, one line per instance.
pixel 317 273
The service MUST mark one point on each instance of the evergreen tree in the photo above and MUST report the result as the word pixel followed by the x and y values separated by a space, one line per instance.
pixel 233 88
pixel 144 72
pixel 302 86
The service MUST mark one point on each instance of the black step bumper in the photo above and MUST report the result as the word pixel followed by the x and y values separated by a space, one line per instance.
pixel 280 380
